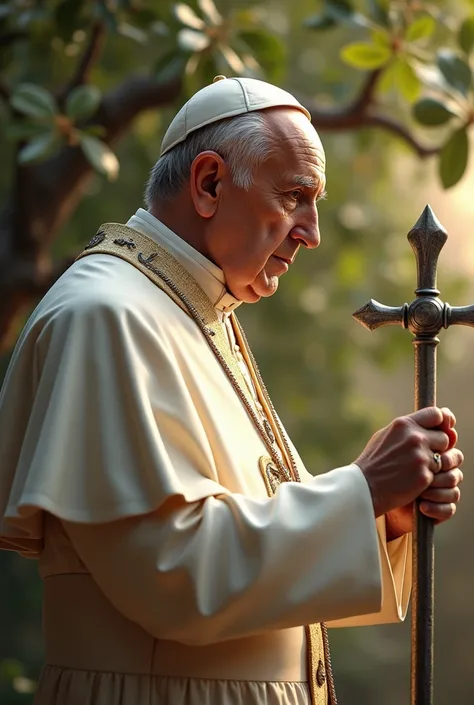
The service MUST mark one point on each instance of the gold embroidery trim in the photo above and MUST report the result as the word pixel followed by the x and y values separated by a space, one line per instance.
pixel 317 676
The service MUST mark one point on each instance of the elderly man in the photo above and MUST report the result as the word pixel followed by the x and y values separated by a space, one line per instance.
pixel 188 556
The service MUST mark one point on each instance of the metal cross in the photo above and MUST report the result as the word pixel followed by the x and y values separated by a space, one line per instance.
pixel 424 317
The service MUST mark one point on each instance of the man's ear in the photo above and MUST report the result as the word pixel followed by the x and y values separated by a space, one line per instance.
pixel 207 171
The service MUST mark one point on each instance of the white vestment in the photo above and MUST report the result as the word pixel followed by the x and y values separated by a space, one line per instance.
pixel 130 469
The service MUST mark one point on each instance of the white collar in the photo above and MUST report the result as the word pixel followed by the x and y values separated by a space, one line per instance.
pixel 209 277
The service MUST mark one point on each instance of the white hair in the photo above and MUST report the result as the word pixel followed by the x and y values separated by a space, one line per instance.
pixel 244 141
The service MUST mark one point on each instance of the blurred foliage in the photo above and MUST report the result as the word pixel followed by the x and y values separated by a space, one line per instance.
pixel 422 49
pixel 307 344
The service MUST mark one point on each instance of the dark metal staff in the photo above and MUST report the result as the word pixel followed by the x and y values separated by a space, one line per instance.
pixel 424 317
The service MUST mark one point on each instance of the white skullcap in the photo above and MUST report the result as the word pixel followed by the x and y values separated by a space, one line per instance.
pixel 224 98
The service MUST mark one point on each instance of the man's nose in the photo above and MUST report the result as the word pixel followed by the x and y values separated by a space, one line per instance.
pixel 307 232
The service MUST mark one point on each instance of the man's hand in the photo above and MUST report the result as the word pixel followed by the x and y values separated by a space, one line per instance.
pixel 399 467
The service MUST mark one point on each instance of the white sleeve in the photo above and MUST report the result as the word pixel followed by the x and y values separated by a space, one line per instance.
pixel 396 563
pixel 230 566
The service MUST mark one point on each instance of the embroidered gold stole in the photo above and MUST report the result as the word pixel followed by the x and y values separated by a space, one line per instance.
pixel 156 263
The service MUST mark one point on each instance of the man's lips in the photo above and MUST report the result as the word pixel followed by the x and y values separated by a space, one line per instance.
pixel 283 261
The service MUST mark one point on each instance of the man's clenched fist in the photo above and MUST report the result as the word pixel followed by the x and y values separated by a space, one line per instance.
pixel 399 467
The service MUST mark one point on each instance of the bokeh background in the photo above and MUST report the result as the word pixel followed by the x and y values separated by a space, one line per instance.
pixel 87 88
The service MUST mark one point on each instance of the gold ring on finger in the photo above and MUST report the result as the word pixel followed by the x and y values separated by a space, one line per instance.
pixel 439 461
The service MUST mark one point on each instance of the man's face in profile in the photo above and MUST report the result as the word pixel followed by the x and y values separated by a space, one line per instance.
pixel 255 235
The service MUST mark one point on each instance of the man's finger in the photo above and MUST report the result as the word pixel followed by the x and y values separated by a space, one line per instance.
pixel 449 419
pixel 442 496
pixel 453 436
pixel 429 417
pixel 447 479
pixel 438 441
pixel 438 512
pixel 452 458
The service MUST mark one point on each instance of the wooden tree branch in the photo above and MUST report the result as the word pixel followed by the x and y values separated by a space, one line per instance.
pixel 47 194
pixel 396 128
pixel 87 61
pixel 364 112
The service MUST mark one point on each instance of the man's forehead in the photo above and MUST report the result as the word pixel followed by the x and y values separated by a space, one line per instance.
pixel 303 143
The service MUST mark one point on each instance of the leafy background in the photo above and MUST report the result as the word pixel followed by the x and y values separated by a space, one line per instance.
pixel 87 88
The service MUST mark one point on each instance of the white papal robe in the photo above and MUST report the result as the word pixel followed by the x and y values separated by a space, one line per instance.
pixel 130 469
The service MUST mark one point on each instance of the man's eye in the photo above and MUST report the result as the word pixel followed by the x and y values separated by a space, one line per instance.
pixel 295 195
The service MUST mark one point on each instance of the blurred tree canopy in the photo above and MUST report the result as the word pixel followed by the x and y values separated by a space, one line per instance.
pixel 73 84
pixel 87 88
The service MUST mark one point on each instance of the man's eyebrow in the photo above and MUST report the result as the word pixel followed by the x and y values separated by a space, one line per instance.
pixel 306 181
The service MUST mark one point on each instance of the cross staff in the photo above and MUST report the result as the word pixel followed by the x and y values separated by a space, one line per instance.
pixel 424 317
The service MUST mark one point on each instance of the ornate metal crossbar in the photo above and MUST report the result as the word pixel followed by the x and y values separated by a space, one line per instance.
pixel 424 317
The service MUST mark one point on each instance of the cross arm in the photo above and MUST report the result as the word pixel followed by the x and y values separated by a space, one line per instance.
pixel 459 315
pixel 373 315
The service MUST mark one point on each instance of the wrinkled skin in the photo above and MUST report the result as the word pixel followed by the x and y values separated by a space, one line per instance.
pixel 254 236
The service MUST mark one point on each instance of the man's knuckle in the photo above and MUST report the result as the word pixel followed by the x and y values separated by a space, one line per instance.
pixel 400 423
pixel 416 440
pixel 419 457
pixel 425 477
pixel 451 479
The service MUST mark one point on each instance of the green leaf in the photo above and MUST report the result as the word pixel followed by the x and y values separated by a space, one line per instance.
pixel 83 102
pixel 20 131
pixel 421 28
pixel 33 100
pixel 320 22
pixel 188 17
pixel 39 148
pixel 170 66
pixel 100 156
pixel 407 81
pixel 431 112
pixel 453 158
pixel 362 55
pixel 191 40
pixel 387 80
pixel 456 71
pixel 466 35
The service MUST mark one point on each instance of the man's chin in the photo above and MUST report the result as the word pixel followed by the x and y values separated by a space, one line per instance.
pixel 252 293
pixel 264 289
